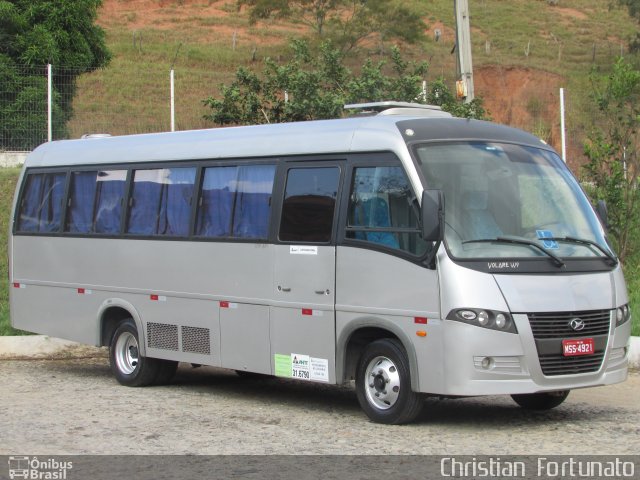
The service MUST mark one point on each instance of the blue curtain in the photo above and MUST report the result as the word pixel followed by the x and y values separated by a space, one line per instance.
pixel 31 198
pixel 42 203
pixel 83 193
pixel 53 194
pixel 176 207
pixel 162 201
pixel 218 190
pixel 147 200
pixel 108 204
pixel 251 212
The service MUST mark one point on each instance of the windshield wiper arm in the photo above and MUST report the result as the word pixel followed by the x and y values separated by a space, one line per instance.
pixel 520 241
pixel 584 241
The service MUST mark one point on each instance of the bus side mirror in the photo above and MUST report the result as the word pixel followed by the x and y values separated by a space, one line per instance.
pixel 603 213
pixel 432 215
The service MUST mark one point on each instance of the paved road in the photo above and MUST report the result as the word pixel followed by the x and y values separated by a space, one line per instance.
pixel 74 406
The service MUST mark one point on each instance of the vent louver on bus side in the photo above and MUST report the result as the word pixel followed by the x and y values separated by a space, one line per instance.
pixel 196 340
pixel 162 336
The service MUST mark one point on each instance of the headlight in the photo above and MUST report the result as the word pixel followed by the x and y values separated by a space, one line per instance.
pixel 623 314
pixel 500 321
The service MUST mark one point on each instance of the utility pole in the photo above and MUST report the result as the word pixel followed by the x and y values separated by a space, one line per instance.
pixel 463 46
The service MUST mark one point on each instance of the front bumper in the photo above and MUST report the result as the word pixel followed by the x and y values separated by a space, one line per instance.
pixel 479 361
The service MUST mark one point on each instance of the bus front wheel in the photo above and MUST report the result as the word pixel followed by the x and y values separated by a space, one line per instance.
pixel 383 383
pixel 542 400
pixel 129 367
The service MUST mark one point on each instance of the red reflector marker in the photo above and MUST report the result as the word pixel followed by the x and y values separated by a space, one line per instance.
pixel 153 297
pixel 16 285
pixel 81 291
pixel 224 304
pixel 422 320
pixel 307 311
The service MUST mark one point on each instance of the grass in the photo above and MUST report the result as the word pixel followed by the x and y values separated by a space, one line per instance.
pixel 131 95
pixel 632 276
pixel 8 180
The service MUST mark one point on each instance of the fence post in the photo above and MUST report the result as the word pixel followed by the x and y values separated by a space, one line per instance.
pixel 173 105
pixel 49 103
pixel 562 127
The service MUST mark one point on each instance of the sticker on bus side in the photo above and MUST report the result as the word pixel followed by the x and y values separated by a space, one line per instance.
pixel 303 250
pixel 283 365
pixel 301 367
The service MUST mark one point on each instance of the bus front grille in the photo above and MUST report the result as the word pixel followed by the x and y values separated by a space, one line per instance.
pixel 550 328
pixel 558 325
pixel 561 365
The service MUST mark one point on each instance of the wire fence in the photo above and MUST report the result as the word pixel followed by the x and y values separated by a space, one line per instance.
pixel 100 102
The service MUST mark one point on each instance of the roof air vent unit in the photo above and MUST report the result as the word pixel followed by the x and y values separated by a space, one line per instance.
pixel 398 108
pixel 95 135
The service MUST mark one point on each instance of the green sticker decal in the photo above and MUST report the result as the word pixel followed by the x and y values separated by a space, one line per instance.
pixel 283 365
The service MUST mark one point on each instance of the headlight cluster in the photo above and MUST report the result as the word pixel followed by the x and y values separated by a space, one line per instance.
pixel 500 321
pixel 623 314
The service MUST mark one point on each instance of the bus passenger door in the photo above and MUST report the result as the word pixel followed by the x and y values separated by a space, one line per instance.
pixel 303 312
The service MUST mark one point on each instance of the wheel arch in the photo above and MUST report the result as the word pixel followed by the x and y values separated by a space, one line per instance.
pixel 111 313
pixel 359 332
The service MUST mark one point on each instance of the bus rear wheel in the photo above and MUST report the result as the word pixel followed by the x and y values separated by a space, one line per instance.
pixel 383 383
pixel 542 400
pixel 129 367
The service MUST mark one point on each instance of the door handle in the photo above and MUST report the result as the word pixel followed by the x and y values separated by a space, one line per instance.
pixel 283 289
pixel 323 292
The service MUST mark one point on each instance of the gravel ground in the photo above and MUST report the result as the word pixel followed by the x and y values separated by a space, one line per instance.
pixel 74 406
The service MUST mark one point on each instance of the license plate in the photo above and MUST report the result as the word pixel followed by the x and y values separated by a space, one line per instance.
pixel 583 346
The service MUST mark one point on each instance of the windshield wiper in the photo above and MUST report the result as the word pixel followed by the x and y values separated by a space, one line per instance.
pixel 521 241
pixel 584 241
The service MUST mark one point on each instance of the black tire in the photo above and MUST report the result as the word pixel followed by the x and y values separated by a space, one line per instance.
pixel 166 371
pixel 128 366
pixel 542 400
pixel 383 383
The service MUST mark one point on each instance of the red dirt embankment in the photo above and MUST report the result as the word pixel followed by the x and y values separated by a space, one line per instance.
pixel 517 96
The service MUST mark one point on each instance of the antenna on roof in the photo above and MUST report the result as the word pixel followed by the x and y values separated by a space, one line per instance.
pixel 397 108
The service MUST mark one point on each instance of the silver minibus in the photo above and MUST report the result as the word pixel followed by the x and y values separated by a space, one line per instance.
pixel 411 252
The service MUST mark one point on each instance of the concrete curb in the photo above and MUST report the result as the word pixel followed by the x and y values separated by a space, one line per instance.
pixel 634 352
pixel 43 346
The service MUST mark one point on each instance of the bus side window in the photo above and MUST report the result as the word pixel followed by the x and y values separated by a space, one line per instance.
pixel 161 201
pixel 380 210
pixel 235 202
pixel 41 206
pixel 252 205
pixel 309 204
pixel 107 208
pixel 82 195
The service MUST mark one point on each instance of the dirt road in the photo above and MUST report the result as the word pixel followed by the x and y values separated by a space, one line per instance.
pixel 74 406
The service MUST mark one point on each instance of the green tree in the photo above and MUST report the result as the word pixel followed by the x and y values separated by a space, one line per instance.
pixel 318 85
pixel 612 150
pixel 633 6
pixel 345 22
pixel 34 33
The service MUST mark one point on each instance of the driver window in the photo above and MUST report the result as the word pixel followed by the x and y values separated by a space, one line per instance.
pixel 381 210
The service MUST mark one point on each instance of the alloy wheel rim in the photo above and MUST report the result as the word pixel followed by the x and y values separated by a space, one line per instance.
pixel 382 383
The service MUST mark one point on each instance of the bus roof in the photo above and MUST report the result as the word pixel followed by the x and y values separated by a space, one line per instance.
pixel 359 134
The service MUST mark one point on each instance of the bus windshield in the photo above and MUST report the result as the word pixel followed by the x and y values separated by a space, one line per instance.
pixel 511 201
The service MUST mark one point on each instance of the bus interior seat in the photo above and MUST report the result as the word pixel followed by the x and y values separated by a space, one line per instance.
pixel 374 212
pixel 478 222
